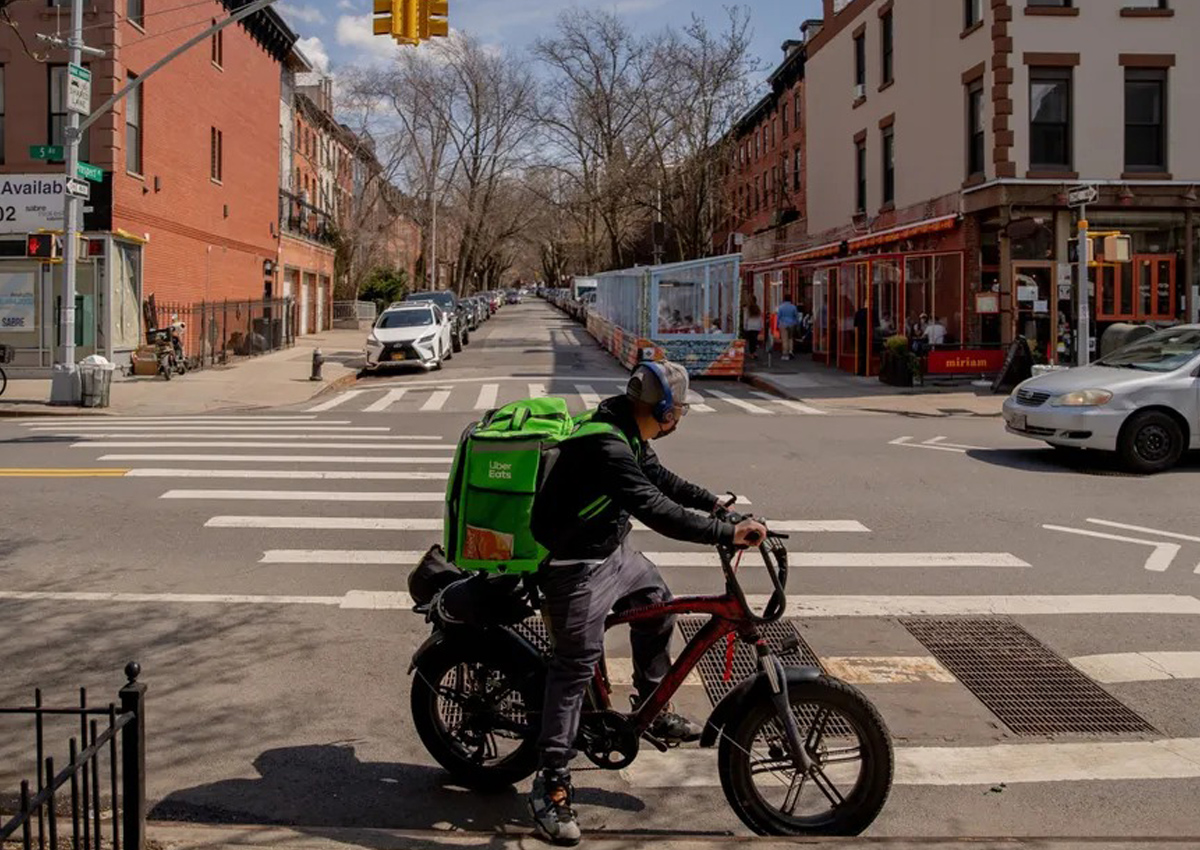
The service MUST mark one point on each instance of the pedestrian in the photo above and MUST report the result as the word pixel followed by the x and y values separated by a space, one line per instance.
pixel 789 324
pixel 935 334
pixel 752 325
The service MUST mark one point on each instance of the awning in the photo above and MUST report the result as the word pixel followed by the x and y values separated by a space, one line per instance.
pixel 817 253
pixel 906 231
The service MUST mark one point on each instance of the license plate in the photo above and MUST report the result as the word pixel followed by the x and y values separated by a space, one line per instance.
pixel 397 355
pixel 1017 421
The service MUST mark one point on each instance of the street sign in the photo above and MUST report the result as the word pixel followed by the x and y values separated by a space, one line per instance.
pixel 89 172
pixel 79 89
pixel 1081 195
pixel 78 188
pixel 31 202
pixel 46 152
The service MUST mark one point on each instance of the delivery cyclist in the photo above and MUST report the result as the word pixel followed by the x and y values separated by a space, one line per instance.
pixel 582 517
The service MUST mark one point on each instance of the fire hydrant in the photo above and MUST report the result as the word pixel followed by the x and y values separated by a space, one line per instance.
pixel 318 360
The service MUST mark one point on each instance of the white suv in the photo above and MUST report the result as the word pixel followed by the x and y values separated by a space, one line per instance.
pixel 410 333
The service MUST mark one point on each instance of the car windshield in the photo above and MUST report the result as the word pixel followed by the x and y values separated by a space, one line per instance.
pixel 1164 351
pixel 405 319
pixel 445 300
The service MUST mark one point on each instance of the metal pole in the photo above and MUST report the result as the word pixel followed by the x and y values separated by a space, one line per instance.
pixel 1083 336
pixel 433 243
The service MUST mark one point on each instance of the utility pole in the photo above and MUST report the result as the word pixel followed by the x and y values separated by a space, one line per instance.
pixel 433 242
pixel 1080 197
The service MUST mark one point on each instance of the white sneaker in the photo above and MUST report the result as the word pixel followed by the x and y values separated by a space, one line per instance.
pixel 550 804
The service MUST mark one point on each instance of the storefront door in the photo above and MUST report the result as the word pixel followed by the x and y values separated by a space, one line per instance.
pixel 847 304
pixel 1035 321
pixel 1155 275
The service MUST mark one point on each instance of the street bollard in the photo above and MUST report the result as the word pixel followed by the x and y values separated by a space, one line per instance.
pixel 318 360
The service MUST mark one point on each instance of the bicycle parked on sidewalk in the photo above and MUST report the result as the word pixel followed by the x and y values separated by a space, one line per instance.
pixel 6 356
pixel 477 695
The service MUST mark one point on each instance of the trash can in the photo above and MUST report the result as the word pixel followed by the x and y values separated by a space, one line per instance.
pixel 95 377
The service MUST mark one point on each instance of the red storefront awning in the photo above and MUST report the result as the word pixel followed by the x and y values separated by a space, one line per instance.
pixel 906 231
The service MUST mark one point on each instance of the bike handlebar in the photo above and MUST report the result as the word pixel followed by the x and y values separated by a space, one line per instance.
pixel 774 555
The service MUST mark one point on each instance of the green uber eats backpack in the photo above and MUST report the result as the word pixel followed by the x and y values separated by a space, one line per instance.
pixel 499 466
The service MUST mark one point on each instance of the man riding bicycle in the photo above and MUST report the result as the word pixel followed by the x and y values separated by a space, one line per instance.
pixel 582 517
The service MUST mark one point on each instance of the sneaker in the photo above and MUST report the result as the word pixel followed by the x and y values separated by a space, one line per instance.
pixel 672 728
pixel 550 805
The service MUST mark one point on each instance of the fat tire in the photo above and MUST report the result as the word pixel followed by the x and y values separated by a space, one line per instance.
pixel 3 382
pixel 432 667
pixel 1127 449
pixel 868 797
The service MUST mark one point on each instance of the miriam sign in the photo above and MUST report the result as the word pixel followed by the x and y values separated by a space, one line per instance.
pixel 965 362
pixel 31 202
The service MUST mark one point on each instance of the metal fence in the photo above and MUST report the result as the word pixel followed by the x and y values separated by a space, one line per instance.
pixel 354 311
pixel 40 803
pixel 216 332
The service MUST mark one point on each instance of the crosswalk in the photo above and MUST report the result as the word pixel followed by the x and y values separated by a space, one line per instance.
pixel 469 396
pixel 311 491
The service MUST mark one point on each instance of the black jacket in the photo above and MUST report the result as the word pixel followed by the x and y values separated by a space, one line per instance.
pixel 589 470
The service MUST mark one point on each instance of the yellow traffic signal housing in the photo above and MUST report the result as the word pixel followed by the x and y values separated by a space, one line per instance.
pixel 397 18
pixel 434 18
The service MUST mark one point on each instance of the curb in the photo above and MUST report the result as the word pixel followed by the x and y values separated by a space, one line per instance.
pixel 34 409
pixel 765 384
pixel 335 385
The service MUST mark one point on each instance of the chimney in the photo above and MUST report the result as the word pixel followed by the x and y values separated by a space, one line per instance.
pixel 810 28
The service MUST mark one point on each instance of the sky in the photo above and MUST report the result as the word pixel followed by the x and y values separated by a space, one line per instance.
pixel 338 32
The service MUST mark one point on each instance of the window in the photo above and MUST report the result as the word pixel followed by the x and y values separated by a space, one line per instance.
pixel 1145 4
pixel 885 37
pixel 1 114
pixel 1145 120
pixel 135 13
pixel 796 170
pixel 972 13
pixel 133 129
pixel 975 131
pixel 860 60
pixel 1050 118
pixel 860 176
pixel 215 164
pixel 58 111
pixel 783 117
pixel 218 46
pixel 889 165
pixel 1060 4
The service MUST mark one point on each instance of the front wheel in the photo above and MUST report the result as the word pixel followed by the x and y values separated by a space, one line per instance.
pixel 852 753
pixel 3 382
pixel 1150 442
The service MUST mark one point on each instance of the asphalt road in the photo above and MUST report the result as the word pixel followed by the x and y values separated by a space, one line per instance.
pixel 232 558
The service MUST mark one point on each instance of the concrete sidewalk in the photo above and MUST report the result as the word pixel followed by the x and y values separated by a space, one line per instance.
pixel 182 836
pixel 270 380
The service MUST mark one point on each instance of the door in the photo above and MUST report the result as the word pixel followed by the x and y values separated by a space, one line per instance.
pixel 1035 321
pixel 321 306
pixel 304 305
pixel 1155 276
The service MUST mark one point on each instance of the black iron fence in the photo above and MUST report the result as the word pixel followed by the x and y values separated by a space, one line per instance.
pixel 216 332
pixel 41 803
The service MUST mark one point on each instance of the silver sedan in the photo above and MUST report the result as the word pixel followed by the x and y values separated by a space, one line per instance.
pixel 1142 402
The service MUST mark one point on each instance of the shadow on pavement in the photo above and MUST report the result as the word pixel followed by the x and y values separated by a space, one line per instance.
pixel 326 785
pixel 1075 461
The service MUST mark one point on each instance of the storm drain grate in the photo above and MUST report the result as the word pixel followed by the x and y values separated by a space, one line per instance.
pixel 1028 687
pixel 533 629
pixel 745 662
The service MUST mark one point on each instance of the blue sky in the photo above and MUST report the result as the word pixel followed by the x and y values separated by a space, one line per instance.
pixel 338 32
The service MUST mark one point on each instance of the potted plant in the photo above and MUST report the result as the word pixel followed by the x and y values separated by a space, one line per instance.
pixel 899 363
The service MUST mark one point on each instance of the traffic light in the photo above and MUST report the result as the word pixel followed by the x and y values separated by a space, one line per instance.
pixel 397 18
pixel 434 18
pixel 43 246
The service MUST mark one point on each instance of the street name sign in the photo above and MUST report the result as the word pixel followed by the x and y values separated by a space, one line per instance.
pixel 79 89
pixel 31 202
pixel 79 188
pixel 46 152
pixel 1081 195
pixel 89 172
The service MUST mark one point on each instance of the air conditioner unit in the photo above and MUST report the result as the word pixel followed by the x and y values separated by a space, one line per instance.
pixel 860 91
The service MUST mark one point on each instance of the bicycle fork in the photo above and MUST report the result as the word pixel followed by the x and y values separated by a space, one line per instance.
pixel 770 664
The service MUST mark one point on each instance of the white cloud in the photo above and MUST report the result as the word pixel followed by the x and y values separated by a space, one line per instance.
pixel 307 14
pixel 315 51
pixel 357 32
pixel 346 5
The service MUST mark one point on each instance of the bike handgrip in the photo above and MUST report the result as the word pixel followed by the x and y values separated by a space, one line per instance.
pixel 754 539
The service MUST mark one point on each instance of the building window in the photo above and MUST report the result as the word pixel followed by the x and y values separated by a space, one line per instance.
pixel 218 46
pixel 889 165
pixel 1 114
pixel 135 13
pixel 215 144
pixel 860 64
pixel 975 130
pixel 972 13
pixel 1145 120
pixel 885 35
pixel 1145 4
pixel 133 129
pixel 1059 4
pixel 1050 118
pixel 860 176
pixel 783 117
pixel 796 170
pixel 58 112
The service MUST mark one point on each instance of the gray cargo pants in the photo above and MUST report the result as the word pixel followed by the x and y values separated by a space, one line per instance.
pixel 577 599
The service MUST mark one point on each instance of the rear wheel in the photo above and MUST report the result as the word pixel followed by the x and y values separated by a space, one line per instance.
pixel 851 777
pixel 3 382
pixel 1150 442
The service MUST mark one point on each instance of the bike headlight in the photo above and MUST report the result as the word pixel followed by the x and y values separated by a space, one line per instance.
pixel 1082 398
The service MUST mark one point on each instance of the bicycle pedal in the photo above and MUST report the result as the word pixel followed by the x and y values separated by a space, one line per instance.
pixel 661 746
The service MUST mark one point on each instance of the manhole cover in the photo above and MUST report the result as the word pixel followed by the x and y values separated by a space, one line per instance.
pixel 1031 689
pixel 712 666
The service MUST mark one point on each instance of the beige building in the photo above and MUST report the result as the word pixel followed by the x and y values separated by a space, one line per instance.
pixel 942 138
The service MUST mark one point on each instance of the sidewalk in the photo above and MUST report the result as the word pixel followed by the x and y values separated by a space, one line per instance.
pixel 182 836
pixel 804 380
pixel 270 380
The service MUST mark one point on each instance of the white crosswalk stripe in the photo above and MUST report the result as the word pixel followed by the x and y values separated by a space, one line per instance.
pixel 288 474
pixel 747 406
pixel 381 460
pixel 437 400
pixel 697 403
pixel 387 400
pixel 336 401
pixel 238 444
pixel 588 395
pixel 432 496
pixel 798 406
pixel 487 396
pixel 538 391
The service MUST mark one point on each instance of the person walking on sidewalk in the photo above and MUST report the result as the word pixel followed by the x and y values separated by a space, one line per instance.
pixel 752 326
pixel 789 325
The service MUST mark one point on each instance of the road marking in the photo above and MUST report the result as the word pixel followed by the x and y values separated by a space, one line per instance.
pixel 1170 534
pixel 790 404
pixel 858 559
pixel 100 421
pixel 487 396
pixel 63 473
pixel 336 401
pixel 305 495
pixel 219 429
pixel 378 459
pixel 387 400
pixel 326 523
pixel 908 442
pixel 888 670
pixel 697 403
pixel 1139 666
pixel 1159 561
pixel 588 395
pixel 747 406
pixel 803 526
pixel 95 438
pixel 1170 758
pixel 537 391
pixel 1014 606
pixel 231 444
pixel 436 401
pixel 343 557
pixel 292 474
pixel 941 441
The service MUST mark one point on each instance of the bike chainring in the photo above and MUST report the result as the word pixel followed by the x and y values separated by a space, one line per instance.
pixel 609 740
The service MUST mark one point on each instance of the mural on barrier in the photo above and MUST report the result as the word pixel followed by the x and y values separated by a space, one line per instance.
pixel 701 357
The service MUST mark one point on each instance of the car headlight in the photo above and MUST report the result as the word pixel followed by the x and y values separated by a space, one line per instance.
pixel 1082 398
pixel 373 340
pixel 429 337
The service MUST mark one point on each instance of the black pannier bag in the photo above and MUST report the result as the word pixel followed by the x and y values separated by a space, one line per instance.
pixel 432 575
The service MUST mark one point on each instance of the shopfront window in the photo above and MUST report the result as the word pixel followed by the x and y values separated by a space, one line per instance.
pixel 933 292
pixel 885 283
pixel 127 284
pixel 820 311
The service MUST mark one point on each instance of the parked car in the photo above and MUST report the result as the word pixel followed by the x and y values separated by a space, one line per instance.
pixel 1142 401
pixel 514 296
pixel 449 303
pixel 410 333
